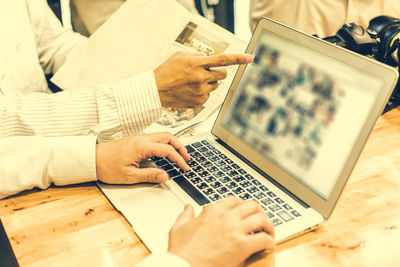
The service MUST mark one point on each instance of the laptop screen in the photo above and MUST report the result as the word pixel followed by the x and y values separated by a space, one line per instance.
pixel 300 109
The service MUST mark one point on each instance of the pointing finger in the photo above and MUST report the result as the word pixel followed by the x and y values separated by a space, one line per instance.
pixel 225 60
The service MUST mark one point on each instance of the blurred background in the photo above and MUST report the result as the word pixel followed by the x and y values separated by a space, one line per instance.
pixel 85 16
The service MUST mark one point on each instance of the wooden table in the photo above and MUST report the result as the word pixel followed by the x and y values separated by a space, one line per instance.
pixel 77 226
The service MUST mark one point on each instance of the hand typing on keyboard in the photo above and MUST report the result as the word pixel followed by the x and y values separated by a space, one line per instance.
pixel 117 162
pixel 220 235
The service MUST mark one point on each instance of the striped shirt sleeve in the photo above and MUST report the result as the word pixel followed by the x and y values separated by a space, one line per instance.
pixel 110 111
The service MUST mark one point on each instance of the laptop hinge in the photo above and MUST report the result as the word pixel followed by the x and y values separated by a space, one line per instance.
pixel 263 173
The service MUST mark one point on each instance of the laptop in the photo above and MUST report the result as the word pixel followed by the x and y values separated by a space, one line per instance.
pixel 287 136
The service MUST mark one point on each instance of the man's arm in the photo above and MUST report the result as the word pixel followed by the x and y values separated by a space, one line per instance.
pixel 31 161
pixel 109 111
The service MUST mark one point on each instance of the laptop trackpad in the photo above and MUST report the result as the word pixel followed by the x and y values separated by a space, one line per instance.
pixel 151 210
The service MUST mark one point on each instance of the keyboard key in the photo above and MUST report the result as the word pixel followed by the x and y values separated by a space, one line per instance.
pixel 155 158
pixel 220 163
pixel 208 154
pixel 231 185
pixel 208 191
pixel 248 176
pixel 216 151
pixel 238 178
pixel 279 201
pixel 222 190
pixel 270 215
pixel 241 171
pixel 255 182
pixel 202 149
pixel 212 169
pixel 223 156
pixel 191 190
pixel 203 174
pixel 232 173
pixel 276 222
pixel 287 207
pixel 245 196
pixel 173 173
pixel 296 213
pixel 274 207
pixel 198 169
pixel 201 159
pixel 238 190
pixel 267 201
pixel 245 184
pixel 228 161
pixel 216 184
pixel 215 197
pixel 195 154
pixel 197 144
pixel 192 163
pixel 285 216
pixel 252 189
pixel 218 174
pixel 226 168
pixel 190 149
pixel 162 162
pixel 263 188
pixel 205 142
pixel 225 179
pixel 202 186
pixel 190 175
pixel 271 194
pixel 207 164
pixel 196 180
pixel 259 195
pixel 167 167
pixel 214 158
pixel 209 179
pixel 234 165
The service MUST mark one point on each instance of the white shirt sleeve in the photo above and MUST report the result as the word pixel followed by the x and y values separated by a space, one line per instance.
pixel 163 259
pixel 31 161
pixel 109 111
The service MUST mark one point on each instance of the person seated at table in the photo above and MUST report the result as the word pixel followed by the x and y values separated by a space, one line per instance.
pixel 67 125
pixel 60 138
pixel 322 17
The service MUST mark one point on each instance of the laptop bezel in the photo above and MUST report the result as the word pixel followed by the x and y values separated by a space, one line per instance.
pixel 388 74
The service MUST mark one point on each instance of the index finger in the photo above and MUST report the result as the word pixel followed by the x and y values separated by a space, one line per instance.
pixel 225 60
pixel 168 138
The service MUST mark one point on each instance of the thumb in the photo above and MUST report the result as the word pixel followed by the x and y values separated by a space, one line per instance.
pixel 149 175
pixel 186 215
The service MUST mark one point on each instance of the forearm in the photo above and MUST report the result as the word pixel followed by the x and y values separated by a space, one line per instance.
pixel 28 162
pixel 110 111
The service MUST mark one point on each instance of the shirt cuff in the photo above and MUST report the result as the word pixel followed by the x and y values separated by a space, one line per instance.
pixel 138 102
pixel 74 159
pixel 163 259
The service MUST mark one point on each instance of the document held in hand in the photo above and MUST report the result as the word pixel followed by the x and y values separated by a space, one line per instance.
pixel 139 37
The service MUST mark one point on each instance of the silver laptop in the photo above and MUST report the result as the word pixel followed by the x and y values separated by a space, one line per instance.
pixel 287 136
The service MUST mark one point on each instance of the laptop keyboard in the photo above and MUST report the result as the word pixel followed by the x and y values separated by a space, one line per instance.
pixel 214 176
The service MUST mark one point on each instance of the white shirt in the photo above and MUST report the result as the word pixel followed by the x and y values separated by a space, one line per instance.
pixel 51 138
pixel 67 124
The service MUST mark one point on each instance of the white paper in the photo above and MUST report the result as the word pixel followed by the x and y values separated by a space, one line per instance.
pixel 140 36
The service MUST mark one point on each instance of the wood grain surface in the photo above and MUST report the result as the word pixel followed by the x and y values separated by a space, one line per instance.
pixel 77 226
